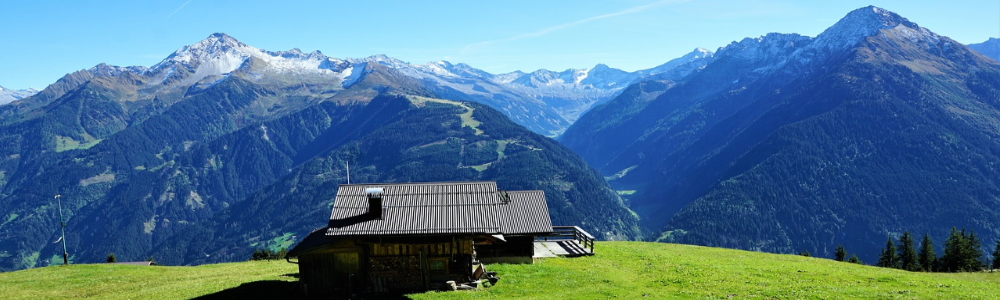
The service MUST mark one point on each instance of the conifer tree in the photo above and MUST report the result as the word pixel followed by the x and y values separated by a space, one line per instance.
pixel 973 253
pixel 888 258
pixel 907 253
pixel 926 256
pixel 840 254
pixel 112 258
pixel 952 251
pixel 962 252
pixel 996 256
pixel 855 260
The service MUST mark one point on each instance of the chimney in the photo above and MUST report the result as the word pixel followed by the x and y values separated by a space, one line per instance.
pixel 374 202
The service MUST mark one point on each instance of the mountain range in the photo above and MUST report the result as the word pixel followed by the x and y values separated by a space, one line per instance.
pixel 781 143
pixel 223 148
pixel 544 101
pixel 9 95
pixel 990 48
pixel 787 143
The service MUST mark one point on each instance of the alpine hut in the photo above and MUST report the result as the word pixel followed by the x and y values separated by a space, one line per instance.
pixel 405 237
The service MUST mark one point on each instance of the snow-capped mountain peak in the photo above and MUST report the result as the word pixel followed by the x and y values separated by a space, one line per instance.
pixel 382 59
pixel 218 42
pixel 681 66
pixel 862 23
pixel 506 78
pixel 104 69
pixel 698 53
pixel 462 70
pixel 221 54
pixel 768 47
pixel 603 76
pixel 218 46
pixel 9 95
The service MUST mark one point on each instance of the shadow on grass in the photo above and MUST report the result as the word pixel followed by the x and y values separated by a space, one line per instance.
pixel 267 289
pixel 277 289
pixel 387 296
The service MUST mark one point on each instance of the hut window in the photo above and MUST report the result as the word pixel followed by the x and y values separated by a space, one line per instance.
pixel 438 265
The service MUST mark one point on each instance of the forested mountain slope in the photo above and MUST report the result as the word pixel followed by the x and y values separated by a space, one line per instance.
pixel 223 147
pixel 788 143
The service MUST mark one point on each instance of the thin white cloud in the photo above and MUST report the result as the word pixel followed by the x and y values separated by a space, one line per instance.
pixel 555 28
pixel 179 8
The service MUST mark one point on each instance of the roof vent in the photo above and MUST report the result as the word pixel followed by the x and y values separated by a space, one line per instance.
pixel 374 190
pixel 375 201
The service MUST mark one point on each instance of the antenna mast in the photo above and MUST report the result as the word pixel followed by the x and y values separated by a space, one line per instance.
pixel 62 227
pixel 348 172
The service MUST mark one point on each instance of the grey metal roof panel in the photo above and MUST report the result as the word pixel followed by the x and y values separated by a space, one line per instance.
pixel 526 213
pixel 438 208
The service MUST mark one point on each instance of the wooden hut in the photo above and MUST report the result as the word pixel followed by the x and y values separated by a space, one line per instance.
pixel 418 236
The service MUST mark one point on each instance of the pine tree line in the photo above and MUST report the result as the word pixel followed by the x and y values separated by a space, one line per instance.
pixel 962 253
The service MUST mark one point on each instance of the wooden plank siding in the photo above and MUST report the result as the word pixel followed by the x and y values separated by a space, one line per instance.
pixel 329 271
pixel 383 265
pixel 459 246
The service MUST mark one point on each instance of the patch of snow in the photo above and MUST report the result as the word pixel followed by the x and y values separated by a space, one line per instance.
pixel 9 95
pixel 680 67
pixel 859 24
pixel 352 74
pixel 220 54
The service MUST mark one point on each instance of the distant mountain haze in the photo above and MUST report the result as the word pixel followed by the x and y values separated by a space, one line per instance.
pixel 990 48
pixel 9 95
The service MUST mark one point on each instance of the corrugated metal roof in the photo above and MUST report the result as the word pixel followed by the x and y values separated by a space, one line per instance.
pixel 439 208
pixel 517 221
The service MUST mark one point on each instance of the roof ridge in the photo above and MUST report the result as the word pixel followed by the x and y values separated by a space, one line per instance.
pixel 423 183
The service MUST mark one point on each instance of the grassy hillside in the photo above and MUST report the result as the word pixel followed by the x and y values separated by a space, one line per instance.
pixel 626 270
pixel 107 281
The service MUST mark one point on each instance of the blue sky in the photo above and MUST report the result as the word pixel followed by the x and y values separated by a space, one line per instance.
pixel 44 40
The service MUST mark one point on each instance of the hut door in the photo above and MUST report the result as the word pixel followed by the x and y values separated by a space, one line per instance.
pixel 346 266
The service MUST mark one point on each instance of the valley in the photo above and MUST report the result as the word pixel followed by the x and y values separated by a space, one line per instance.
pixel 781 143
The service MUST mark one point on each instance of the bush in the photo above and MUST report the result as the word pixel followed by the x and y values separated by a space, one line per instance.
pixel 268 254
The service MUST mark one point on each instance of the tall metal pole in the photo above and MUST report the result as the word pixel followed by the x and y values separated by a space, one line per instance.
pixel 348 172
pixel 62 227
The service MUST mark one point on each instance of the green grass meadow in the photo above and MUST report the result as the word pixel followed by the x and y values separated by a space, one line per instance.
pixel 638 270
pixel 247 280
pixel 620 270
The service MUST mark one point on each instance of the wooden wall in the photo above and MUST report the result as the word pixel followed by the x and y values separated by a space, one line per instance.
pixel 397 264
pixel 329 272
pixel 458 246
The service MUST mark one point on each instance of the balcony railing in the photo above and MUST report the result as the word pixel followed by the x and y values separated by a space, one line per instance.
pixel 584 239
